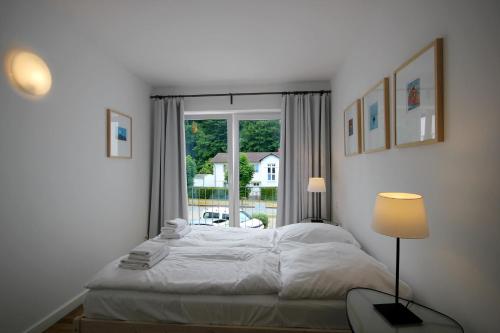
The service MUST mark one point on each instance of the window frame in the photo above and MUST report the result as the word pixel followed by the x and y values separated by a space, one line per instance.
pixel 271 172
pixel 233 118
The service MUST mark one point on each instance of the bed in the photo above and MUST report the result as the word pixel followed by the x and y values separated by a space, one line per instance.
pixel 289 279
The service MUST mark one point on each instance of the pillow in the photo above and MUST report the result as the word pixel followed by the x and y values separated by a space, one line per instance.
pixel 313 233
pixel 329 270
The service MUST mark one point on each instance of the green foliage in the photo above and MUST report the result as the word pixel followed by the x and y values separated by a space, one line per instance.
pixel 245 192
pixel 218 193
pixel 205 138
pixel 263 217
pixel 269 193
pixel 190 170
pixel 190 130
pixel 207 168
pixel 259 135
pixel 246 174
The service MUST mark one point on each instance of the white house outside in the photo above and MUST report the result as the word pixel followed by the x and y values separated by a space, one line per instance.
pixel 266 171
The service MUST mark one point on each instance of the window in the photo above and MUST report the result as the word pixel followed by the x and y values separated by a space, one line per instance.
pixel 271 171
pixel 210 215
pixel 223 155
pixel 244 216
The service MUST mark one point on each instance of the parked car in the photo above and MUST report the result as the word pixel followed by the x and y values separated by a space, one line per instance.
pixel 220 217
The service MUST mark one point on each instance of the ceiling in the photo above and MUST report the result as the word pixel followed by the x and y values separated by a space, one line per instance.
pixel 210 42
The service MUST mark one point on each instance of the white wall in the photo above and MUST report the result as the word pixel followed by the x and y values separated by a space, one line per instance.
pixel 239 102
pixel 219 175
pixel 65 209
pixel 456 270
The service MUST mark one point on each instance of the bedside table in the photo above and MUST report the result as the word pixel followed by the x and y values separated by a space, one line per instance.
pixel 309 220
pixel 363 318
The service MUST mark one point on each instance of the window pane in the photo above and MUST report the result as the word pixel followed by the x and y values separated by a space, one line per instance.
pixel 244 217
pixel 206 163
pixel 259 168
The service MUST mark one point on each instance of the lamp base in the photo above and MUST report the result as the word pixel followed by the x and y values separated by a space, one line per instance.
pixel 397 314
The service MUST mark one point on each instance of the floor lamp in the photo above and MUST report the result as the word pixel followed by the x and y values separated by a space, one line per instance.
pixel 317 186
pixel 399 215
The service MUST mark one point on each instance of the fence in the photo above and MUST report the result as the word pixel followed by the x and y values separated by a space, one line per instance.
pixel 256 202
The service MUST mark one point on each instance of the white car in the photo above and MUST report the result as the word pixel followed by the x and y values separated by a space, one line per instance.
pixel 220 217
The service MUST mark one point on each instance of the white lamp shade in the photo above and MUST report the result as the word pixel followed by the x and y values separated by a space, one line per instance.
pixel 400 215
pixel 316 184
pixel 28 72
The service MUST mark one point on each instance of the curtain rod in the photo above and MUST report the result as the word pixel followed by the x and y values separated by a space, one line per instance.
pixel 246 94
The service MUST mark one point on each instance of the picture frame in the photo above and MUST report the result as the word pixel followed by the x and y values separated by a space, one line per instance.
pixel 376 117
pixel 352 129
pixel 119 134
pixel 419 98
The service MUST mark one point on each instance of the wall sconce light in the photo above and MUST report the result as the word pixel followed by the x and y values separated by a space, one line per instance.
pixel 28 72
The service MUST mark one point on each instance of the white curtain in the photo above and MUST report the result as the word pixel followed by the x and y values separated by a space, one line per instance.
pixel 305 152
pixel 168 180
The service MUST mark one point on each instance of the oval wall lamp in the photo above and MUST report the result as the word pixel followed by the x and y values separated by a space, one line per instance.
pixel 28 72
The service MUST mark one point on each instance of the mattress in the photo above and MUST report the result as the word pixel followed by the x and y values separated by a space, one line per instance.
pixel 244 310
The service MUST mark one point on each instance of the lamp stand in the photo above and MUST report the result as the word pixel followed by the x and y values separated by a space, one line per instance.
pixel 396 313
pixel 317 219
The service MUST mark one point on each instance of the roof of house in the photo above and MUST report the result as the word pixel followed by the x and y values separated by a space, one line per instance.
pixel 252 157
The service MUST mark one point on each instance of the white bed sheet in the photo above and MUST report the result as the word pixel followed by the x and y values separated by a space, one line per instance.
pixel 239 310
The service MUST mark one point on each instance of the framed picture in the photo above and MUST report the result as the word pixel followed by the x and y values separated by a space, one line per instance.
pixel 119 135
pixel 418 98
pixel 376 118
pixel 352 129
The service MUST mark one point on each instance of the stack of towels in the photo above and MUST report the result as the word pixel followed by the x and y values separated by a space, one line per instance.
pixel 145 256
pixel 175 229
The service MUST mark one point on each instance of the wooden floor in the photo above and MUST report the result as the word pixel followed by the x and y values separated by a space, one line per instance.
pixel 65 325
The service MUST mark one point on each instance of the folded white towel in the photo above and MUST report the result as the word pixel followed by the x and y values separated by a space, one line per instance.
pixel 175 223
pixel 134 265
pixel 176 235
pixel 173 229
pixel 147 249
pixel 134 258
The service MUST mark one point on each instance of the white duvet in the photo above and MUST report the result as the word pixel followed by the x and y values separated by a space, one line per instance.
pixel 199 270
pixel 329 270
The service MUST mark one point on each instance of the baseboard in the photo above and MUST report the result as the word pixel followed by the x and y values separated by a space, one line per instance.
pixel 57 314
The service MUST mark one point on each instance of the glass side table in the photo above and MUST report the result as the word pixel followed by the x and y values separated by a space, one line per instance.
pixel 363 318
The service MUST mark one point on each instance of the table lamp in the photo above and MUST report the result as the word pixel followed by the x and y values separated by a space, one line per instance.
pixel 317 185
pixel 399 215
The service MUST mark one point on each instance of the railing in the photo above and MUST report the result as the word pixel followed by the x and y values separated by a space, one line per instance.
pixel 255 202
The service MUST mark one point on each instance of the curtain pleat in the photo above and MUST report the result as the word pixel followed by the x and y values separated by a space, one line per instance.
pixel 305 152
pixel 168 179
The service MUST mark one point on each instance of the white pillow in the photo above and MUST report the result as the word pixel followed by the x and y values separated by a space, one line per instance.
pixel 313 233
pixel 329 270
